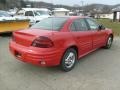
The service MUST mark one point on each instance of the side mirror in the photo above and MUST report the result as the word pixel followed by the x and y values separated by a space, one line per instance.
pixel 101 27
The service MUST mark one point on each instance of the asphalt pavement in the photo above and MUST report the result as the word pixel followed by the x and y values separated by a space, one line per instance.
pixel 99 70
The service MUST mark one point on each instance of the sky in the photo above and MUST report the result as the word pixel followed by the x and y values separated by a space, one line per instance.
pixel 72 2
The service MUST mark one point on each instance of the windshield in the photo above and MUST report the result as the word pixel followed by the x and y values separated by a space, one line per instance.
pixel 4 14
pixel 52 23
pixel 20 12
pixel 39 13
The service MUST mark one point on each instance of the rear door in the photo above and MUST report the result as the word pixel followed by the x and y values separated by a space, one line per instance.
pixel 82 36
pixel 98 35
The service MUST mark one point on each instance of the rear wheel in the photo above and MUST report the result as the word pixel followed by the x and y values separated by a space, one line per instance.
pixel 109 42
pixel 69 60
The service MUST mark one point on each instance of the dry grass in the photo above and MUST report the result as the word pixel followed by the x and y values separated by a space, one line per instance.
pixel 115 26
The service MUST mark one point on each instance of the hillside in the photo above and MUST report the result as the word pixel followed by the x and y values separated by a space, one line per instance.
pixel 102 8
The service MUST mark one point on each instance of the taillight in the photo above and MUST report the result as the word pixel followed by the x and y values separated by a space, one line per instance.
pixel 42 42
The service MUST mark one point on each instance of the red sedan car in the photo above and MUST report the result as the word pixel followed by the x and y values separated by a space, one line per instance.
pixel 60 41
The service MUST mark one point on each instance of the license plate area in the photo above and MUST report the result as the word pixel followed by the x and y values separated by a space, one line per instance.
pixel 17 54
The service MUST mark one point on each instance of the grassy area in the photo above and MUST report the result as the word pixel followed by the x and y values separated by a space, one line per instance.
pixel 115 26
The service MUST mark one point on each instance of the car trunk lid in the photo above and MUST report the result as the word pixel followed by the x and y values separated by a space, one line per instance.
pixel 26 37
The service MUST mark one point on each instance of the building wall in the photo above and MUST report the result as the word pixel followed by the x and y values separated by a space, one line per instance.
pixel 107 16
pixel 118 15
pixel 61 13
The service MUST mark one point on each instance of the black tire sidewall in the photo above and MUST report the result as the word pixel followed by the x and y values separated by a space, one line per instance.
pixel 107 46
pixel 62 65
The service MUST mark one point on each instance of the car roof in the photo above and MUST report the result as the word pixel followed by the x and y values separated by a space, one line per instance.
pixel 34 9
pixel 71 17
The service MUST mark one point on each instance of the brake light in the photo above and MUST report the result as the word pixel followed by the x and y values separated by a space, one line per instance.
pixel 42 42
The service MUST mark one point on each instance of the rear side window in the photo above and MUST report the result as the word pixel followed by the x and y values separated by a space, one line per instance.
pixel 29 13
pixel 79 25
pixel 52 23
pixel 73 28
pixel 92 24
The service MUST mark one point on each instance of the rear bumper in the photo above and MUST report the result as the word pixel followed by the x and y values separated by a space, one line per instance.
pixel 36 56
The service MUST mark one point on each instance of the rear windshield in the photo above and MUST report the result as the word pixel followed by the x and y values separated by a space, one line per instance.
pixel 52 23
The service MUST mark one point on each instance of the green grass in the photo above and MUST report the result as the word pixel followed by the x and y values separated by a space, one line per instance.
pixel 115 26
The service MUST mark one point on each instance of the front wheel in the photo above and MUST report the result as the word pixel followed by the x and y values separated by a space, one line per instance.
pixel 109 42
pixel 69 60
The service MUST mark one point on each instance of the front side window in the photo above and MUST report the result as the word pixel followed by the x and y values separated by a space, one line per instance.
pixel 20 12
pixel 52 23
pixel 79 25
pixel 92 24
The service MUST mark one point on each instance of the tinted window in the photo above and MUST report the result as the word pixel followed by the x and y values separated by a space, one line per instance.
pixel 80 25
pixel 73 28
pixel 92 23
pixel 29 13
pixel 52 23
pixel 20 12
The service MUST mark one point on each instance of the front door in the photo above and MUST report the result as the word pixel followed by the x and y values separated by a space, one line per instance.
pixel 98 36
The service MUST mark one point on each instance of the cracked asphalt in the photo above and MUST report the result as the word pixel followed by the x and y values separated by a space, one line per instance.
pixel 99 70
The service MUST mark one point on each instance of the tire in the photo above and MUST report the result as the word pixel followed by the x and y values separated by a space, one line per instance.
pixel 109 42
pixel 68 60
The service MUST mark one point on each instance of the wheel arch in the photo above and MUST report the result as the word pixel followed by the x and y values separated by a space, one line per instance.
pixel 111 34
pixel 74 47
